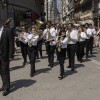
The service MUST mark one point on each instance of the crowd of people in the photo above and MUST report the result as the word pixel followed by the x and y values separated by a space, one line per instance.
pixel 64 40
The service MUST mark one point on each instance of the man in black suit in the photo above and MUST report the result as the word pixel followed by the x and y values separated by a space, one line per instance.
pixel 6 52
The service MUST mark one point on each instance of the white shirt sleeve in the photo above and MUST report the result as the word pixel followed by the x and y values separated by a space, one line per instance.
pixel 65 40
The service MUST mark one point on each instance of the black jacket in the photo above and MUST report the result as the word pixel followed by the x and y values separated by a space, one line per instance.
pixel 7 44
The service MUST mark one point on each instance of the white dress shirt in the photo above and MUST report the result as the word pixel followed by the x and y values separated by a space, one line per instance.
pixel 34 39
pixel 82 36
pixel 73 37
pixel 1 30
pixel 64 43
pixel 89 33
pixel 50 34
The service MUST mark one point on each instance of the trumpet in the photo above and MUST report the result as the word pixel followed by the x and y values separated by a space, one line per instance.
pixel 59 44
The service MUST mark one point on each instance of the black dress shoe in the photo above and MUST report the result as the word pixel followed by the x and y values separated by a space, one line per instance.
pixel 51 66
pixel 81 61
pixel 41 57
pixel 60 77
pixel 72 69
pixel 5 93
pixel 48 64
pixel 68 66
pixel 24 63
pixel 1 89
pixel 32 74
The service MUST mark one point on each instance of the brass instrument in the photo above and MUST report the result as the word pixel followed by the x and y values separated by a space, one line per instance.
pixel 55 38
pixel 79 36
pixel 68 35
pixel 38 25
pixel 59 44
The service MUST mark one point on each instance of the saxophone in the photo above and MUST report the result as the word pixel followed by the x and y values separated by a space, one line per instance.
pixel 68 35
pixel 59 44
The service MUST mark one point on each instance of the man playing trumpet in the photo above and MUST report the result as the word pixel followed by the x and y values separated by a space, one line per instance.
pixel 50 34
pixel 72 38
pixel 23 43
pixel 32 49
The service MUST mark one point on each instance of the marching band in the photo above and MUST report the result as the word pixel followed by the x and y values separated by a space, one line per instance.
pixel 71 39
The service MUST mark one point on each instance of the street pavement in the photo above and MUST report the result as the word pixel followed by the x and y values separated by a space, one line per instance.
pixel 83 84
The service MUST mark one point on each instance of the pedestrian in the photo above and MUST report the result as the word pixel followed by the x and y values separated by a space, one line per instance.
pixel 6 51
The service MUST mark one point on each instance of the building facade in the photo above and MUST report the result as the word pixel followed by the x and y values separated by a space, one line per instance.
pixel 87 11
pixel 18 9
pixel 51 11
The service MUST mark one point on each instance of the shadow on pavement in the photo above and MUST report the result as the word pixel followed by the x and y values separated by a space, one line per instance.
pixel 20 84
pixel 16 67
pixel 86 60
pixel 68 73
pixel 79 65
pixel 44 70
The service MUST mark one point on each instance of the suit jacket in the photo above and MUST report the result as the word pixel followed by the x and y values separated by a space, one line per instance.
pixel 7 44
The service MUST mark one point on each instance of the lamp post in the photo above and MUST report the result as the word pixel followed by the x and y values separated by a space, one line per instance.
pixel 47 9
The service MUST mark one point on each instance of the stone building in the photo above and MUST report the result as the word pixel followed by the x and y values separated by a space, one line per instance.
pixel 87 11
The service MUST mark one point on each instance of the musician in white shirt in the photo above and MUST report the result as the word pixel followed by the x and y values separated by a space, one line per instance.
pixel 93 33
pixel 32 49
pixel 50 35
pixel 23 43
pixel 61 46
pixel 58 30
pixel 89 40
pixel 72 38
pixel 80 44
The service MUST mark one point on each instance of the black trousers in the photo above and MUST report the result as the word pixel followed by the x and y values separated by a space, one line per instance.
pixel 51 51
pixel 91 44
pixel 87 47
pixel 57 52
pixel 71 48
pixel 61 58
pixel 47 44
pixel 5 73
pixel 80 50
pixel 24 48
pixel 39 48
pixel 32 53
